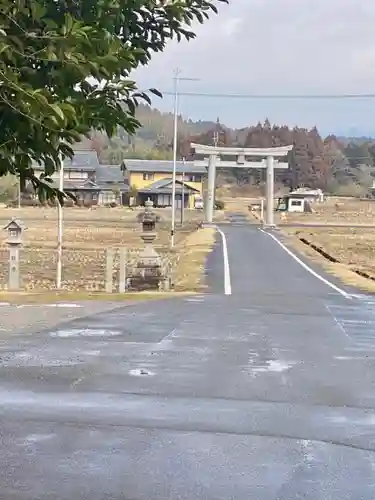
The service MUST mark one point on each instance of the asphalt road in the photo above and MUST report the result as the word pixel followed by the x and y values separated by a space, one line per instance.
pixel 265 394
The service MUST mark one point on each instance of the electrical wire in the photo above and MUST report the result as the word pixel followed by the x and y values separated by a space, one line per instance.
pixel 273 96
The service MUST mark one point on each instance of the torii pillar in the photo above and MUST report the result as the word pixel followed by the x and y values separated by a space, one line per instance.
pixel 214 161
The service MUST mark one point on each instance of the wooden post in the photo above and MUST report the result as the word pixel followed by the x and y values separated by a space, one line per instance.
pixel 122 271
pixel 109 271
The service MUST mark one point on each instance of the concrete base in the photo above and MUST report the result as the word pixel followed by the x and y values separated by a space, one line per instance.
pixel 208 224
pixel 269 226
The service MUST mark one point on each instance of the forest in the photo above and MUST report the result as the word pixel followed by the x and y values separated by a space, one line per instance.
pixel 339 165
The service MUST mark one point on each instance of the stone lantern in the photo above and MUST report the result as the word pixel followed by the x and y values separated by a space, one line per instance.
pixel 148 219
pixel 15 229
pixel 149 266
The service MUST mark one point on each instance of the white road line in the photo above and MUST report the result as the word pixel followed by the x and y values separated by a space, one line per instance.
pixel 305 266
pixel 227 283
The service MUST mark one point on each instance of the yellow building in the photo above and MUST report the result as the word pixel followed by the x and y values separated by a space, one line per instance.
pixel 153 179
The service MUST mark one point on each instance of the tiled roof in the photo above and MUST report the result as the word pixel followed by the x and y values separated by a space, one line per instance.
pixel 77 185
pixel 163 186
pixel 162 166
pixel 82 160
pixel 86 185
pixel 109 173
pixel 86 159
pixel 161 183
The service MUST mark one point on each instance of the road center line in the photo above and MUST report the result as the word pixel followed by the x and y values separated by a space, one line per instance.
pixel 227 282
pixel 308 268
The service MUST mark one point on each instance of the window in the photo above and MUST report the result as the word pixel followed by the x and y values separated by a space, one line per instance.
pixel 296 203
pixel 193 178
pixel 77 174
pixel 148 177
pixel 107 197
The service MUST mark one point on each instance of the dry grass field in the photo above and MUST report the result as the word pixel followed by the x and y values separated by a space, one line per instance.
pixel 86 236
pixel 353 249
pixel 351 242
pixel 190 269
pixel 337 211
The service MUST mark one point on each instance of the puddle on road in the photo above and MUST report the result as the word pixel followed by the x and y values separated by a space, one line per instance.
pixel 259 365
pixel 274 366
pixel 85 332
pixel 141 372
pixel 48 357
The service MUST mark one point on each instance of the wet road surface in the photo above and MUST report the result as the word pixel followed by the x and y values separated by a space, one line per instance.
pixel 264 394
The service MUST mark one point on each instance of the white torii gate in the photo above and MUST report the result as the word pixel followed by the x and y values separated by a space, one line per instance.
pixel 213 161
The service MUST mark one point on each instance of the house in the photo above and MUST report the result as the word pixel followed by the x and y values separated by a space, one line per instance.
pixel 153 179
pixel 90 181
pixel 111 183
pixel 312 195
pixel 294 202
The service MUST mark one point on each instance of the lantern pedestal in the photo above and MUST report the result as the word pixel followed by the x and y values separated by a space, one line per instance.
pixel 149 273
pixel 14 267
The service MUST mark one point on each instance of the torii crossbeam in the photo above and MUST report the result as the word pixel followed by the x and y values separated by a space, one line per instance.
pixel 213 161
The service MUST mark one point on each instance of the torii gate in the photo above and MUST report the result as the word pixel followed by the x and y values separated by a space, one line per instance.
pixel 213 161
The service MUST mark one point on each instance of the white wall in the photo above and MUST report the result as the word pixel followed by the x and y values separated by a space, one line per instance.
pixel 296 205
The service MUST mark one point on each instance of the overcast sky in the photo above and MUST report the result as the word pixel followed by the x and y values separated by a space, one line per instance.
pixel 277 47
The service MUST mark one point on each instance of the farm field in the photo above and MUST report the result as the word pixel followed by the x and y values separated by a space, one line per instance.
pixel 353 249
pixel 87 233
pixel 334 211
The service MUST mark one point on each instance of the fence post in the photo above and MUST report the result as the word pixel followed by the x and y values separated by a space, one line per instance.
pixel 109 270
pixel 122 271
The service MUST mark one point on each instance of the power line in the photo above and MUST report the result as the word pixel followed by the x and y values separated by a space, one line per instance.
pixel 274 96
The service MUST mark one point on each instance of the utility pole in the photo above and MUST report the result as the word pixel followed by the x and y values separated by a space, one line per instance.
pixel 177 73
pixel 19 193
pixel 59 229
pixel 177 79
pixel 211 187
pixel 270 191
pixel 183 193
pixel 216 133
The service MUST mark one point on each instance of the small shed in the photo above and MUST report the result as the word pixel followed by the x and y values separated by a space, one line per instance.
pixel 296 202
pixel 311 195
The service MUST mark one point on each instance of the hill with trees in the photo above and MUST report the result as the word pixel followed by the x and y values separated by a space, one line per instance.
pixel 335 164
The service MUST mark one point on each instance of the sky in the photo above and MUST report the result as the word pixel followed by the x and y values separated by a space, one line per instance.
pixel 276 47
